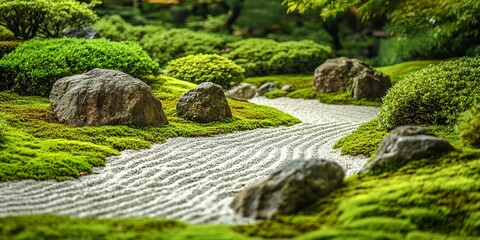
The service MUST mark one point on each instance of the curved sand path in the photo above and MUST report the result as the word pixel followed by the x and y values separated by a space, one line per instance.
pixel 193 179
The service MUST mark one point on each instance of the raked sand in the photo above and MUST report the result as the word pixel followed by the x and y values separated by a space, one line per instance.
pixel 193 179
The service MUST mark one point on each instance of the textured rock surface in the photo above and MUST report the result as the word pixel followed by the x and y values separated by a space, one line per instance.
pixel 105 97
pixel 287 88
pixel 85 32
pixel 298 185
pixel 206 103
pixel 266 87
pixel 243 91
pixel 344 74
pixel 407 143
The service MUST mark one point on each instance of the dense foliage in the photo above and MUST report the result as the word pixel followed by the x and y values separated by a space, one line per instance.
pixel 117 29
pixel 44 18
pixel 268 57
pixel 34 66
pixel 434 95
pixel 468 126
pixel 206 68
pixel 168 45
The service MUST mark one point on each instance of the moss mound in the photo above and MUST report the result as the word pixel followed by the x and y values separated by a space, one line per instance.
pixel 34 66
pixel 206 68
pixel 434 95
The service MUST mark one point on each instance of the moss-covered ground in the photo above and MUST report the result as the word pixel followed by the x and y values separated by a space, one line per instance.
pixel 34 145
pixel 424 199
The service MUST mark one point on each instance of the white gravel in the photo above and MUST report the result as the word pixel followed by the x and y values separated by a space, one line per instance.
pixel 193 179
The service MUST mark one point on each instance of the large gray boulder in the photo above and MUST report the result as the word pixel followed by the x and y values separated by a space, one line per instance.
pixel 406 143
pixel 351 75
pixel 105 97
pixel 206 103
pixel 242 91
pixel 298 185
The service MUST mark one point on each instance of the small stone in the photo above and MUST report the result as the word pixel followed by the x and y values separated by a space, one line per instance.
pixel 242 91
pixel 84 32
pixel 287 88
pixel 266 87
pixel 204 104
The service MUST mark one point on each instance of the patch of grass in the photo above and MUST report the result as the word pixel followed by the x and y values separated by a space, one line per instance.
pixel 36 146
pixel 424 199
pixel 397 71
pixel 50 227
pixel 364 140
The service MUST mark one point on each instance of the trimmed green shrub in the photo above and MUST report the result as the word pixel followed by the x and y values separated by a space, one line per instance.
pixel 5 34
pixel 473 51
pixel 117 29
pixel 8 46
pixel 34 66
pixel 168 45
pixel 30 18
pixel 206 68
pixel 468 125
pixel 434 95
pixel 268 57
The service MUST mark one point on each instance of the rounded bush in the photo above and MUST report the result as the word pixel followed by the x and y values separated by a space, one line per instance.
pixel 268 57
pixel 206 68
pixel 8 46
pixel 468 125
pixel 34 66
pixel 434 95
pixel 45 18
pixel 168 45
pixel 6 34
pixel 116 28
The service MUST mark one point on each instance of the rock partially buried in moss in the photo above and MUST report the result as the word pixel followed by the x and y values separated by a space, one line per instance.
pixel 351 75
pixel 204 104
pixel 242 91
pixel 298 185
pixel 406 143
pixel 105 97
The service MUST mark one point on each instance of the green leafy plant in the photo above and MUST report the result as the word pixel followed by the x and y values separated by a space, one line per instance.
pixel 434 95
pixel 206 68
pixel 268 57
pixel 34 66
pixel 468 125
pixel 30 18
pixel 115 28
pixel 168 45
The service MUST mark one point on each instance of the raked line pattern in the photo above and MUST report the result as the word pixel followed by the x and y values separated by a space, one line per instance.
pixel 193 179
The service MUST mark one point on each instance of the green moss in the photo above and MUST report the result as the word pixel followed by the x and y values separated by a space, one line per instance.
pixel 398 71
pixel 36 146
pixel 61 227
pixel 364 140
pixel 275 94
pixel 384 224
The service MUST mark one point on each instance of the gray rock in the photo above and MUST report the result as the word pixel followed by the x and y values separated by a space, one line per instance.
pixel 406 143
pixel 266 87
pixel 298 185
pixel 105 97
pixel 242 91
pixel 84 32
pixel 287 88
pixel 206 103
pixel 351 75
